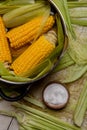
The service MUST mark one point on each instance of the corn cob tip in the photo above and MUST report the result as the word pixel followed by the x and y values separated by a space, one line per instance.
pixel 51 36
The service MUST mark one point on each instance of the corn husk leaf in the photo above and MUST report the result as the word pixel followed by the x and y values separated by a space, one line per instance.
pixel 17 2
pixel 48 118
pixel 78 12
pixel 79 21
pixel 5 9
pixel 8 5
pixel 16 78
pixel 78 49
pixel 34 101
pixel 76 4
pixel 73 73
pixel 81 107
pixel 63 8
pixel 64 62
pixel 23 10
pixel 26 17
pixel 60 41
pixel 3 70
pixel 76 52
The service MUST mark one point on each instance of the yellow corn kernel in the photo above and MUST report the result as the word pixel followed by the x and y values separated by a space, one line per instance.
pixel 5 55
pixel 16 52
pixel 35 53
pixel 25 33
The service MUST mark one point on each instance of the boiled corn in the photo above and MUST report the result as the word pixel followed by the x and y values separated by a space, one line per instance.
pixel 16 52
pixel 25 33
pixel 5 55
pixel 35 53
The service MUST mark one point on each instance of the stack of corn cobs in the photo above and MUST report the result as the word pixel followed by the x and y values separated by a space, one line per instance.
pixel 26 44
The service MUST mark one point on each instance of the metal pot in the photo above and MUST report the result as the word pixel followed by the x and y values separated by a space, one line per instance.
pixel 23 87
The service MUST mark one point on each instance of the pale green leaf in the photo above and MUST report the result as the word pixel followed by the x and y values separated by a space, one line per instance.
pixel 73 73
pixel 3 70
pixel 81 107
pixel 78 49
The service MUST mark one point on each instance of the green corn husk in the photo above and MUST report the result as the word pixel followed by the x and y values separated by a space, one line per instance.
pixel 34 102
pixel 63 8
pixel 24 10
pixel 5 9
pixel 71 0
pixel 8 5
pixel 77 50
pixel 44 118
pixel 74 73
pixel 61 41
pixel 75 4
pixel 40 124
pixel 60 34
pixel 16 2
pixel 3 70
pixel 81 107
pixel 78 13
pixel 21 128
pixel 17 21
pixel 79 21
pixel 39 120
pixel 83 0
pixel 64 62
pixel 16 78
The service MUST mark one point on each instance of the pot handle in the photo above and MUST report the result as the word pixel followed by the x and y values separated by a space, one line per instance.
pixel 22 94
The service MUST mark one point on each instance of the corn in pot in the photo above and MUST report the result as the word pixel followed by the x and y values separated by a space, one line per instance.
pixel 25 33
pixel 35 53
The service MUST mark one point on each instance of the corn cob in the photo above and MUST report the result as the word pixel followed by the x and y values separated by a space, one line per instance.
pixel 25 33
pixel 34 55
pixel 5 55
